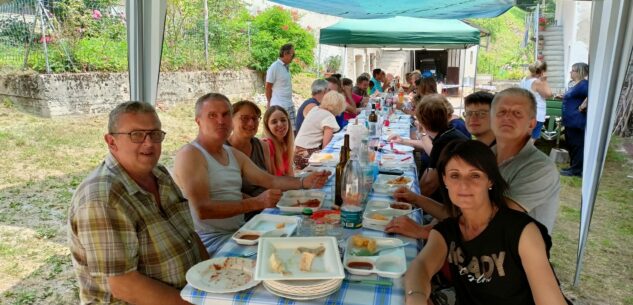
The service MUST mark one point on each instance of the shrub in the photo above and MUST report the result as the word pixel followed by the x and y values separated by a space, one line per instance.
pixel 101 54
pixel 333 63
pixel 273 28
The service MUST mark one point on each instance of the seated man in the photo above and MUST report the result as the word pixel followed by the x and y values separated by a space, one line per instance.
pixel 532 177
pixel 477 114
pixel 130 232
pixel 210 174
pixel 362 83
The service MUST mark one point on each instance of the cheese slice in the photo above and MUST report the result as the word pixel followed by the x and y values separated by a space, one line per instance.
pixel 275 264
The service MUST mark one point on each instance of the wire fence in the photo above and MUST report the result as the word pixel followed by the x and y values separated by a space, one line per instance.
pixel 52 36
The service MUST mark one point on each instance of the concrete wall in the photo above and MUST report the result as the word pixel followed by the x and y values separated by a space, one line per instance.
pixel 50 95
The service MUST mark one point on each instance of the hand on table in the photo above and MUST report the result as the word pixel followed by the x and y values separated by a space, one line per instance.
pixel 395 138
pixel 405 194
pixel 316 180
pixel 408 227
pixel 269 198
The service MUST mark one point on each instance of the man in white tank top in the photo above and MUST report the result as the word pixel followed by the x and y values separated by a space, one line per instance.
pixel 210 175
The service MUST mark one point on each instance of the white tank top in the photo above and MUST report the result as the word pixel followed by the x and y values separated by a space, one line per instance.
pixel 541 106
pixel 225 183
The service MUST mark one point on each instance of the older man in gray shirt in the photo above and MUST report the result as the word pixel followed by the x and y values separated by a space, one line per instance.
pixel 533 178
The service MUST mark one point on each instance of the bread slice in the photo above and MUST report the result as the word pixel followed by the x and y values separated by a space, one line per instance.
pixel 305 263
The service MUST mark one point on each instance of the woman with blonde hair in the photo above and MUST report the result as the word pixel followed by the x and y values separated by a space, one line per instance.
pixel 280 139
pixel 536 83
pixel 318 128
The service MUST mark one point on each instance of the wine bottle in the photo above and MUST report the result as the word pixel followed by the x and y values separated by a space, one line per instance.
pixel 373 121
pixel 340 169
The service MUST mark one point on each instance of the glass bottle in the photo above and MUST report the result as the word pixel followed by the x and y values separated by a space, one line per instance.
pixel 353 194
pixel 340 168
pixel 373 121
pixel 305 228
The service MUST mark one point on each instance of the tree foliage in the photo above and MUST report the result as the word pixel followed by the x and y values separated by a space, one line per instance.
pixel 275 27
pixel 504 57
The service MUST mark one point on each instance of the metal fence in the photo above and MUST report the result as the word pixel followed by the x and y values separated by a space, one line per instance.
pixel 76 35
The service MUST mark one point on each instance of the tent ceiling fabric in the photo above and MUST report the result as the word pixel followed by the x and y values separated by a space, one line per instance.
pixel 399 32
pixel 373 9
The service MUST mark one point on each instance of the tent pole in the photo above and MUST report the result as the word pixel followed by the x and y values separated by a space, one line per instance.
pixel 319 63
pixel 463 69
pixel 476 62
pixel 345 62
pixel 536 33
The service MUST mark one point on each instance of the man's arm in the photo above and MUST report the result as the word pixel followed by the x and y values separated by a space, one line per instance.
pixel 255 175
pixel 192 179
pixel 429 182
pixel 136 288
pixel 269 93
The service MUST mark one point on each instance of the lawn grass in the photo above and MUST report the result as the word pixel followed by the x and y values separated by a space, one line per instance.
pixel 44 160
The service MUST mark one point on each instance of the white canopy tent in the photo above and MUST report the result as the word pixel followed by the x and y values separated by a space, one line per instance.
pixel 610 54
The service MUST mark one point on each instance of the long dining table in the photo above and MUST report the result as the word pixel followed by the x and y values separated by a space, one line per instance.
pixel 351 292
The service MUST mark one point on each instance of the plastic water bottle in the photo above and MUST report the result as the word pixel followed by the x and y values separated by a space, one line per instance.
pixel 353 193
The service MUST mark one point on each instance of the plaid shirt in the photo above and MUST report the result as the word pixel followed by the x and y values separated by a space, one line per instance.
pixel 115 227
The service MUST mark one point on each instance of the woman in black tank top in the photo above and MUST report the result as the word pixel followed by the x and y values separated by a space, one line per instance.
pixel 496 255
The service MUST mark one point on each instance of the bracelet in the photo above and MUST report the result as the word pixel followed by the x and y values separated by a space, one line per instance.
pixel 301 179
pixel 411 292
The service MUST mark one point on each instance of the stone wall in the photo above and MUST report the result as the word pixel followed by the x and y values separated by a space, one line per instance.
pixel 50 95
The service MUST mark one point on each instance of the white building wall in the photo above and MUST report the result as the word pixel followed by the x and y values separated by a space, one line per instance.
pixel 574 16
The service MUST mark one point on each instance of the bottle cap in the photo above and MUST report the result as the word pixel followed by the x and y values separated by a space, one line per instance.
pixel 307 211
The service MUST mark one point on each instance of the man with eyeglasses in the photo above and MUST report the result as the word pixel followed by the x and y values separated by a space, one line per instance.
pixel 533 179
pixel 130 231
pixel 477 115
pixel 279 84
pixel 210 174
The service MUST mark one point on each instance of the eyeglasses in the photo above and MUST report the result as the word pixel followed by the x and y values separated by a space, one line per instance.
pixel 480 114
pixel 139 136
pixel 246 118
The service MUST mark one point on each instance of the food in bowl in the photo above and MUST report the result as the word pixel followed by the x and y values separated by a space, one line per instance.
pixel 377 216
pixel 400 206
pixel 249 236
pixel 360 265
pixel 310 203
pixel 360 241
pixel 399 181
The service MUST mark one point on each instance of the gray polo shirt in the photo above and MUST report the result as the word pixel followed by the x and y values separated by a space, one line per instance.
pixel 534 183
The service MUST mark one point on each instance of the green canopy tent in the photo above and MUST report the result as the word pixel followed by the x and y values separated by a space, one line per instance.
pixel 401 32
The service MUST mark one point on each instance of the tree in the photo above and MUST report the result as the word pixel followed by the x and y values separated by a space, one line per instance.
pixel 275 27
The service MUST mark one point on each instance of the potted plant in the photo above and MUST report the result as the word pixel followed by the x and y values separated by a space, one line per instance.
pixel 542 22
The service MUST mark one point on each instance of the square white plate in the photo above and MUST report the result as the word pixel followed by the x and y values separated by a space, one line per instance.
pixel 390 263
pixel 263 223
pixel 326 266
pixel 382 185
pixel 289 199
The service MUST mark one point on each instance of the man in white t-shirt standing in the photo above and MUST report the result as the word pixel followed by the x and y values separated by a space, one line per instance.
pixel 279 84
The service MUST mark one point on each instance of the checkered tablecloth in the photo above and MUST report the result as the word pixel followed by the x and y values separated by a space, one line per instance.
pixel 350 293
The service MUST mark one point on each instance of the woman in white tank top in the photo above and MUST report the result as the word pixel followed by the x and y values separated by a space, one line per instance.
pixel 537 84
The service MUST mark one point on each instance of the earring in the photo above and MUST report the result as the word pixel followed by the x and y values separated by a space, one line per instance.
pixel 490 188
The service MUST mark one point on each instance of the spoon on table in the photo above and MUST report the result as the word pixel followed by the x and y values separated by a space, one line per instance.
pixel 366 252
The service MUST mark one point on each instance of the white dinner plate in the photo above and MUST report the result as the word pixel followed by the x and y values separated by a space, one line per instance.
pixel 223 275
